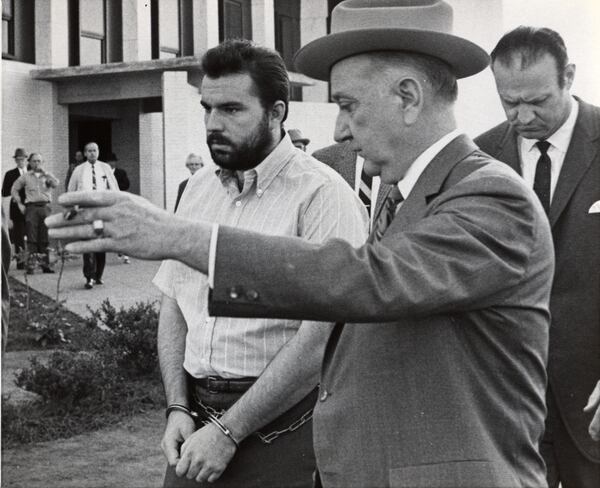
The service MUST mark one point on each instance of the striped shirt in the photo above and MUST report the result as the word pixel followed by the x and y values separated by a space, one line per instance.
pixel 290 194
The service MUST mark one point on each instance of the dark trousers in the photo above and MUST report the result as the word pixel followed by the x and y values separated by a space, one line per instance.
pixel 565 464
pixel 93 265
pixel 17 233
pixel 288 461
pixel 37 232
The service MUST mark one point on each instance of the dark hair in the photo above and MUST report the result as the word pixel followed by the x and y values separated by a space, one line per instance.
pixel 531 43
pixel 265 67
pixel 438 73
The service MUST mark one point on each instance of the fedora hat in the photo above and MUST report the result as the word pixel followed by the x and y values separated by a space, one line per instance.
pixel 20 153
pixel 419 26
pixel 296 135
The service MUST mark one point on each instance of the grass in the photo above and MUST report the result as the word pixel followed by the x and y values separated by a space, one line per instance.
pixel 128 394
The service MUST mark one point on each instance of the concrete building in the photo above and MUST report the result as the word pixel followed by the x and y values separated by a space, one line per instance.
pixel 125 74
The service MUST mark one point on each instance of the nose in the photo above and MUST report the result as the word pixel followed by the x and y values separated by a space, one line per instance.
pixel 342 130
pixel 524 114
pixel 212 121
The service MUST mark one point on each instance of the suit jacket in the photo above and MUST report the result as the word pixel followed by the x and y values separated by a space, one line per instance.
pixel 343 160
pixel 182 186
pixel 10 177
pixel 440 380
pixel 574 357
pixel 122 179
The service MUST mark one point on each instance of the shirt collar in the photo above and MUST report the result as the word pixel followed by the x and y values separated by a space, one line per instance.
pixel 268 168
pixel 406 184
pixel 562 137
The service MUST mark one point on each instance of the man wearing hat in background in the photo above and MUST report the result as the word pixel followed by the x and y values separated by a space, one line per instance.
pixel 17 218
pixel 298 139
pixel 438 378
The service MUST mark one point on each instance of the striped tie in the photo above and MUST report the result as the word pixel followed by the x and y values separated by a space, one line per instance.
pixel 387 214
pixel 364 190
pixel 93 177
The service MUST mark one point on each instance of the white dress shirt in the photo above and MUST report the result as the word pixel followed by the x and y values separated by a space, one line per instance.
pixel 559 143
pixel 290 194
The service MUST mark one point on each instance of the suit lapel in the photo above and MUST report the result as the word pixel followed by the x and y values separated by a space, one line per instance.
pixel 580 154
pixel 508 150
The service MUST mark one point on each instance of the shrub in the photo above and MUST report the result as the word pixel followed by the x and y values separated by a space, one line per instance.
pixel 70 379
pixel 131 336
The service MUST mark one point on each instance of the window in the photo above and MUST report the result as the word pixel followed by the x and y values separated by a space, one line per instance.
pixel 172 23
pixel 95 32
pixel 287 36
pixel 235 19
pixel 18 30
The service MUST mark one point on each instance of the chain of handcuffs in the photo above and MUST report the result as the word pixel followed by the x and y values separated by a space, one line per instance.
pixel 265 438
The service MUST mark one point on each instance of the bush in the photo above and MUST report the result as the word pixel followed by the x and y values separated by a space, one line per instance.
pixel 70 379
pixel 131 336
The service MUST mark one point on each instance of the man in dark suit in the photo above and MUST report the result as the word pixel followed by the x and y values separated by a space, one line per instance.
pixel 119 173
pixel 17 217
pixel 552 140
pixel 193 163
pixel 439 377
pixel 350 166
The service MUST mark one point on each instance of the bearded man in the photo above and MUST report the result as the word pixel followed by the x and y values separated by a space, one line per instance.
pixel 208 364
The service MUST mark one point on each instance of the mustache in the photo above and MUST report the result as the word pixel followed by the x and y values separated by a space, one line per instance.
pixel 217 139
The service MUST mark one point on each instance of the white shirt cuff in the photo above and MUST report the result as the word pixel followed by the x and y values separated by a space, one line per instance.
pixel 212 254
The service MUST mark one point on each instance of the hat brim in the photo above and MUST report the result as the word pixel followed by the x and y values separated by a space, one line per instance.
pixel 318 57
pixel 303 141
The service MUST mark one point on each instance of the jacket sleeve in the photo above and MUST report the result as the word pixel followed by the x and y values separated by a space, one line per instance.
pixel 471 247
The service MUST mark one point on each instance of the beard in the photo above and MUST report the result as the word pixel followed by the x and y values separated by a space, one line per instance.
pixel 243 156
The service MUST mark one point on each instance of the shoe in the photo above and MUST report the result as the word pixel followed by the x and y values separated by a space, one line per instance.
pixel 29 271
pixel 48 271
pixel 126 260
pixel 98 281
pixel 89 284
pixel 20 266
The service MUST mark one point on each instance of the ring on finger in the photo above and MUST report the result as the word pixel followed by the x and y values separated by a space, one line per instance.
pixel 98 226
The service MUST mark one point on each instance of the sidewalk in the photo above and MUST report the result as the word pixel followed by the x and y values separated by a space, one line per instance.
pixel 124 284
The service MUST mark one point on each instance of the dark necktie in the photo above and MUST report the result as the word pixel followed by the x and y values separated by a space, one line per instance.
pixel 387 214
pixel 364 190
pixel 541 182
pixel 94 186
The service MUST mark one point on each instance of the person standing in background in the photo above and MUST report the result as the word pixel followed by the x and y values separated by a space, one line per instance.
pixel 37 185
pixel 298 139
pixel 551 138
pixel 193 163
pixel 79 158
pixel 16 224
pixel 120 174
pixel 94 175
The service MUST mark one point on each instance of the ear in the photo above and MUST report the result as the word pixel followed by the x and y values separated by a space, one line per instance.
pixel 409 93
pixel 277 112
pixel 569 75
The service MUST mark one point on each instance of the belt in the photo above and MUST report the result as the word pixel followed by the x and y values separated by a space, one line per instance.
pixel 37 204
pixel 218 384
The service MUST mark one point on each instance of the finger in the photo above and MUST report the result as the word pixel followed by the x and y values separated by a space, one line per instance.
pixel 93 245
pixel 594 428
pixel 594 399
pixel 170 451
pixel 182 466
pixel 208 474
pixel 77 232
pixel 93 198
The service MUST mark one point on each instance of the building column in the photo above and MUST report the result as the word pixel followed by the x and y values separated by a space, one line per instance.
pixel 313 24
pixel 51 33
pixel 183 130
pixel 206 25
pixel 263 23
pixel 137 31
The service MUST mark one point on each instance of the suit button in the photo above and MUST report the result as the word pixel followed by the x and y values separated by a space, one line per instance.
pixel 324 395
pixel 252 295
pixel 234 293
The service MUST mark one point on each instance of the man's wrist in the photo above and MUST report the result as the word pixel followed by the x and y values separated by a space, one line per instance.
pixel 179 407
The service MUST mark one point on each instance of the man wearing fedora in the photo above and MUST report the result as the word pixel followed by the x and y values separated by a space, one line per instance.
pixel 298 139
pixel 17 218
pixel 551 139
pixel 437 377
